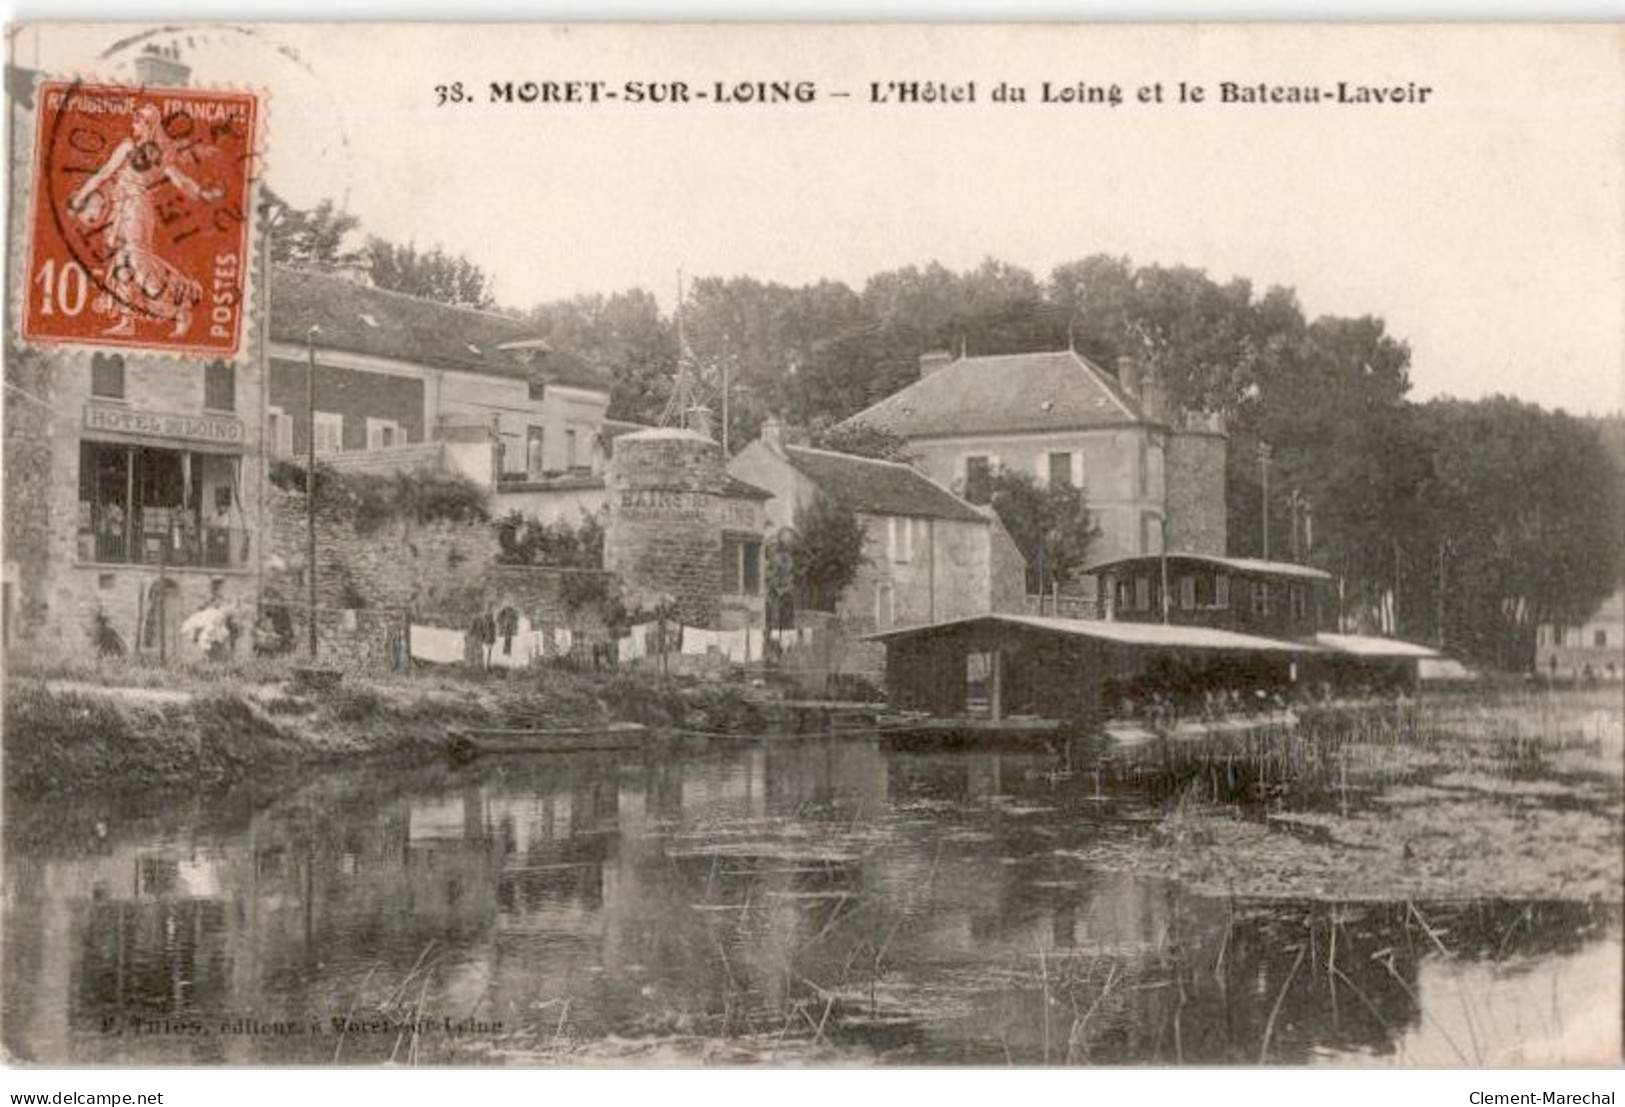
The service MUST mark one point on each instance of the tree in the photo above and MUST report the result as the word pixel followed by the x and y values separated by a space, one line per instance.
pixel 1050 525
pixel 865 440
pixel 430 274
pixel 825 551
pixel 315 238
pixel 625 333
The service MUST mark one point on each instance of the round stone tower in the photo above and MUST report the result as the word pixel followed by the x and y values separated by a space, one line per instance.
pixel 1193 475
pixel 663 536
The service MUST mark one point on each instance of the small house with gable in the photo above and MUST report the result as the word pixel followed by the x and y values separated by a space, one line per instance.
pixel 930 555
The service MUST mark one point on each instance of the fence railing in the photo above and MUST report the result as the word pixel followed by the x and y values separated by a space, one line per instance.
pixel 206 547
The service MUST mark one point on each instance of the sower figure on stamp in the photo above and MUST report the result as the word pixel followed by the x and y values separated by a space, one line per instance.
pixel 123 201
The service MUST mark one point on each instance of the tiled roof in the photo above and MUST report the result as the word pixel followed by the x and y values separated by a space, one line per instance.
pixel 1059 390
pixel 879 487
pixel 360 319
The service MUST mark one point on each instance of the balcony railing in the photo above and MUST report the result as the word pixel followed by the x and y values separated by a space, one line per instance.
pixel 205 548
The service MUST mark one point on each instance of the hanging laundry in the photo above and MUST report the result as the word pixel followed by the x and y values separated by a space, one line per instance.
pixel 444 647
pixel 697 641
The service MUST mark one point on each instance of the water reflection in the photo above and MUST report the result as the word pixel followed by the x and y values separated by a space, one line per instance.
pixel 826 897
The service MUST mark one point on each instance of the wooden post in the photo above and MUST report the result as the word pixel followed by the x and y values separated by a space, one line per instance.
pixel 310 484
pixel 995 680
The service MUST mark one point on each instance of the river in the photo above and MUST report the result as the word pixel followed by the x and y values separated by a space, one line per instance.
pixel 825 901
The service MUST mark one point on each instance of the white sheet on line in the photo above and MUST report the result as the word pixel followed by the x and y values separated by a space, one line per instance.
pixel 437 644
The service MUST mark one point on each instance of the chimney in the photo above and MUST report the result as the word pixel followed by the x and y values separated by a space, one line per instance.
pixel 773 434
pixel 1153 403
pixel 162 67
pixel 1128 375
pixel 932 360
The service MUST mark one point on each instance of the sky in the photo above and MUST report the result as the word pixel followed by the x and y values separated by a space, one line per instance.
pixel 1486 226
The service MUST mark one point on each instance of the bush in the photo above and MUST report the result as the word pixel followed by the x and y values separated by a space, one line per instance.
pixel 370 500
pixel 354 705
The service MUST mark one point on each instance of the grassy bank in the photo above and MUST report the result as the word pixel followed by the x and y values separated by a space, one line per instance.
pixel 78 726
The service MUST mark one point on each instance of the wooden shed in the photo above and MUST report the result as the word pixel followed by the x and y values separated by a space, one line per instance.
pixel 1068 668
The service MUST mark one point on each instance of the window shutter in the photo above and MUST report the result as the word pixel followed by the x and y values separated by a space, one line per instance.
pixel 891 538
pixel 1077 469
pixel 1041 468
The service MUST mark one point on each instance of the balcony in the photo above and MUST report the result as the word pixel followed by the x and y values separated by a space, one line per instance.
pixel 205 548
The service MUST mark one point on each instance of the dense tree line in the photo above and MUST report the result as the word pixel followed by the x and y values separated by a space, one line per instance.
pixel 1464 522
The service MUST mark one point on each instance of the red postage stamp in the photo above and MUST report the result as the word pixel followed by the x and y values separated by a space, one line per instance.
pixel 140 222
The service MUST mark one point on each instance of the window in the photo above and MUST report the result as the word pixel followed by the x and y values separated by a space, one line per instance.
pixel 1261 598
pixel 329 432
pixel 1203 586
pixel 145 506
pixel 741 565
pixel 278 432
pixel 220 386
pixel 1145 469
pixel 1187 591
pixel 1142 593
pixel 1060 469
pixel 383 433
pixel 1221 590
pixel 107 376
pixel 1600 638
pixel 900 539
pixel 1300 603
pixel 535 456
pixel 978 479
pixel 571 461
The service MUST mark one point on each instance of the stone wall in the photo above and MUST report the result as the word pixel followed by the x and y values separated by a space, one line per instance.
pixel 369 586
pixel 402 565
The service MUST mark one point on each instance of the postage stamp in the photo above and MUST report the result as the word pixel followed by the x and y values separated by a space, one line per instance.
pixel 139 234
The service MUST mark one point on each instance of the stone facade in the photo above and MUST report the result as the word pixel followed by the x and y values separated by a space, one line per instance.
pixel 1122 471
